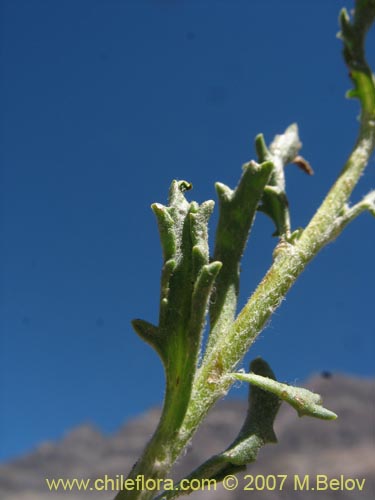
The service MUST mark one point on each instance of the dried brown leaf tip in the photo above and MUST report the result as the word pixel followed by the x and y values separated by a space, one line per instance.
pixel 303 165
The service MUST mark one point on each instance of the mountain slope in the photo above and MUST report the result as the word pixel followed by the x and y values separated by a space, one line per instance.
pixel 345 447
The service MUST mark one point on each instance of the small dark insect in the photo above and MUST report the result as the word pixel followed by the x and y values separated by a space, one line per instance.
pixel 185 186
pixel 326 374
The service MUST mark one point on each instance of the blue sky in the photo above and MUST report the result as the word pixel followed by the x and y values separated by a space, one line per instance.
pixel 104 103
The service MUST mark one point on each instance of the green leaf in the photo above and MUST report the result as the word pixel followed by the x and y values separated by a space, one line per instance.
pixel 237 209
pixel 283 150
pixel 302 400
pixel 186 284
pixel 353 34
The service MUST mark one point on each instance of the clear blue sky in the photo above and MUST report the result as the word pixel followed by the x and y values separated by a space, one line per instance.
pixel 104 103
